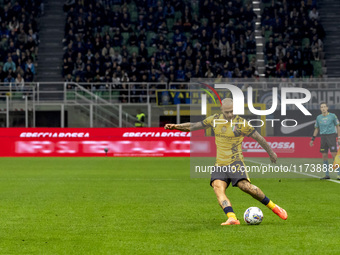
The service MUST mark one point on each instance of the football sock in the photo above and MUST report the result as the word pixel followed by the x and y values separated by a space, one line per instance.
pixel 229 212
pixel 267 202
pixel 325 166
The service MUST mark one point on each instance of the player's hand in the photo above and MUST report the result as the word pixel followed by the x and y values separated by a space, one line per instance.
pixel 273 157
pixel 311 143
pixel 170 126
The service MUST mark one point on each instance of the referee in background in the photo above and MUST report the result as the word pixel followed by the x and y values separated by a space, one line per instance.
pixel 328 125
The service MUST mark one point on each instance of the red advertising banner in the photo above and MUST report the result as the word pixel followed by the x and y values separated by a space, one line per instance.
pixel 284 147
pixel 89 142
pixel 139 142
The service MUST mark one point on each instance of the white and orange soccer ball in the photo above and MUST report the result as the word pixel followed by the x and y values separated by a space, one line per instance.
pixel 253 216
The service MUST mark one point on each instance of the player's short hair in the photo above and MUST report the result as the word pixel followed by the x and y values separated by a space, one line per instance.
pixel 227 100
pixel 323 103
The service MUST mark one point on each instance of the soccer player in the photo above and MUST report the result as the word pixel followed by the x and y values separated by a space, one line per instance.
pixel 228 139
pixel 328 125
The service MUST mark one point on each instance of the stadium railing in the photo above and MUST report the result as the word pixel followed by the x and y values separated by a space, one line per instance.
pixel 138 92
pixel 117 107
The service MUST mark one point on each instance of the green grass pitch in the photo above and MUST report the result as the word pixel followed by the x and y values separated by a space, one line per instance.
pixel 152 206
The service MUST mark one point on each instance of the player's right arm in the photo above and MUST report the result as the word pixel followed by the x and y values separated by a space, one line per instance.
pixel 186 127
pixel 315 133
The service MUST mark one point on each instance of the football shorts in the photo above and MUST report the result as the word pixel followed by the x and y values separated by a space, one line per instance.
pixel 328 142
pixel 232 173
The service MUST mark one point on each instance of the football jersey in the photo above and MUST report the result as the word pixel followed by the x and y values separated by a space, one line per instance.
pixel 327 124
pixel 228 137
pixel 336 163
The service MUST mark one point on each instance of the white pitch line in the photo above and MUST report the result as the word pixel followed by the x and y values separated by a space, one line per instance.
pixel 311 175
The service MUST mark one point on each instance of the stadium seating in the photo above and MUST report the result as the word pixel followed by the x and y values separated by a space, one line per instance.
pixel 291 25
pixel 179 33
pixel 19 41
pixel 181 23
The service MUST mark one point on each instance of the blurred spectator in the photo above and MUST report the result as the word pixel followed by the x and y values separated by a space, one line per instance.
pixel 154 40
pixel 313 14
pixel 30 65
pixel 19 39
pixel 2 74
pixel 293 29
pixel 28 75
pixel 19 81
pixel 9 65
pixel 9 79
pixel 308 69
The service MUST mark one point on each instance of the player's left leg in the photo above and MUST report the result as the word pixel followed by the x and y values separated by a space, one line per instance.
pixel 324 147
pixel 258 194
pixel 219 189
pixel 325 166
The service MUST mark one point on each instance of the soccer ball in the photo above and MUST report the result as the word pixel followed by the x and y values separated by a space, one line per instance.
pixel 253 216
